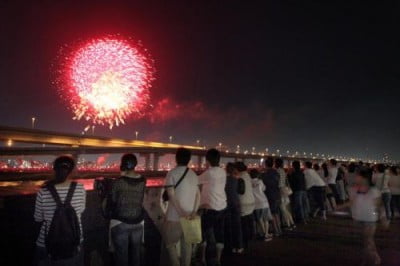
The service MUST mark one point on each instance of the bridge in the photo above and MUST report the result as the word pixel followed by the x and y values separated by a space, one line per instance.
pixel 56 143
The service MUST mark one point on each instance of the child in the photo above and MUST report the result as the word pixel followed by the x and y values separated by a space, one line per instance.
pixel 365 201
pixel 262 213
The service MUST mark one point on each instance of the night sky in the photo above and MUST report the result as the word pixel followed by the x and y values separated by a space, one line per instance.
pixel 301 77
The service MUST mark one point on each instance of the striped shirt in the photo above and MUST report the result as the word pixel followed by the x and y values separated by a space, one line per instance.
pixel 45 207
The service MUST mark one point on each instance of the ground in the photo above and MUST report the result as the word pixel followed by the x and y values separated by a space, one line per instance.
pixel 334 242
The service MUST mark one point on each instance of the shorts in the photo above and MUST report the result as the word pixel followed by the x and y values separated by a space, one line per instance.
pixel 172 233
pixel 264 214
pixel 274 206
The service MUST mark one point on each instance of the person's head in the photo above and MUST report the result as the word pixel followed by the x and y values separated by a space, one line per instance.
pixel 269 162
pixel 63 167
pixel 393 170
pixel 316 167
pixel 360 163
pixel 364 177
pixel 213 157
pixel 183 156
pixel 231 169
pixel 308 165
pixel 296 165
pixel 380 168
pixel 352 168
pixel 254 173
pixel 240 166
pixel 333 162
pixel 324 166
pixel 278 163
pixel 128 162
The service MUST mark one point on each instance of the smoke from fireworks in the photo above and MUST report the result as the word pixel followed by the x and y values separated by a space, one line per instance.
pixel 106 81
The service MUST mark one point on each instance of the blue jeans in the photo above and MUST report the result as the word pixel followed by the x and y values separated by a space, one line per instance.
pixel 42 259
pixel 299 205
pixel 386 198
pixel 127 241
pixel 233 228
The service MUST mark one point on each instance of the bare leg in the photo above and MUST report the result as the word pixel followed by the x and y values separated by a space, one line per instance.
pixel 370 251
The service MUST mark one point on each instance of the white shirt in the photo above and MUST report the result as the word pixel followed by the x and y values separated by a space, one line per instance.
pixel 282 177
pixel 185 193
pixel 313 179
pixel 261 201
pixel 213 190
pixel 332 174
pixel 247 199
pixel 381 181
pixel 364 206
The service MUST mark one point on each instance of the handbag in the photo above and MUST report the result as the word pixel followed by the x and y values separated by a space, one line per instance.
pixel 165 196
pixel 191 230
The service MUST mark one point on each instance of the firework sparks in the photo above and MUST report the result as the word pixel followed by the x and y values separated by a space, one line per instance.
pixel 106 81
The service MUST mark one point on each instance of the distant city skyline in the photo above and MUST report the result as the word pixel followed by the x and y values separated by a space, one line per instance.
pixel 314 78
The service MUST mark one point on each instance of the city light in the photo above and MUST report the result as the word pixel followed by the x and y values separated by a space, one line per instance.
pixel 9 142
pixel 33 122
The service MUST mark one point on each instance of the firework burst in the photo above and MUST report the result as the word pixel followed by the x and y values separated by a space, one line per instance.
pixel 106 80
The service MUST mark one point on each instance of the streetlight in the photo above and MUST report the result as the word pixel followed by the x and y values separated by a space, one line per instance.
pixel 136 134
pixel 253 150
pixel 9 143
pixel 33 122
pixel 93 127
pixel 220 145
pixel 198 142
pixel 170 139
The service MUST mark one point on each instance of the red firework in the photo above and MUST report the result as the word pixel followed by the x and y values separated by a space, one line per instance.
pixel 106 81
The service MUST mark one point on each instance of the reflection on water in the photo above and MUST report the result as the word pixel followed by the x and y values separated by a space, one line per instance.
pixel 10 188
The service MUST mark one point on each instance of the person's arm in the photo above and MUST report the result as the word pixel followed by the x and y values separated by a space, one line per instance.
pixel 381 213
pixel 196 205
pixel 174 201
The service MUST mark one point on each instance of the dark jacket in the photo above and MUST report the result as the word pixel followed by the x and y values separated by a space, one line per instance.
pixel 297 181
pixel 270 179
pixel 231 190
pixel 125 200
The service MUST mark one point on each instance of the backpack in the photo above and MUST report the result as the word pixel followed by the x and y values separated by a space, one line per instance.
pixel 63 236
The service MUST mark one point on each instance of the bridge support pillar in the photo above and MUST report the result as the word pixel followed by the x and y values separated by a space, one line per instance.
pixel 156 161
pixel 146 160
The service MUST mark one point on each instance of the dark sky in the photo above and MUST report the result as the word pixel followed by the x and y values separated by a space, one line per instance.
pixel 321 78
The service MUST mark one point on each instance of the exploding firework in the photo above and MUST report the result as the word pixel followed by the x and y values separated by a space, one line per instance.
pixel 107 80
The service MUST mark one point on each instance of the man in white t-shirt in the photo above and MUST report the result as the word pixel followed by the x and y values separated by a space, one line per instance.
pixel 316 186
pixel 183 191
pixel 213 202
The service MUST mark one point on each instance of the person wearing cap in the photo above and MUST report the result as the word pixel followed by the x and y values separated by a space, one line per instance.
pixel 124 207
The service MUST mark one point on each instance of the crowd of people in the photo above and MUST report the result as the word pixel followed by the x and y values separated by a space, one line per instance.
pixel 235 205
